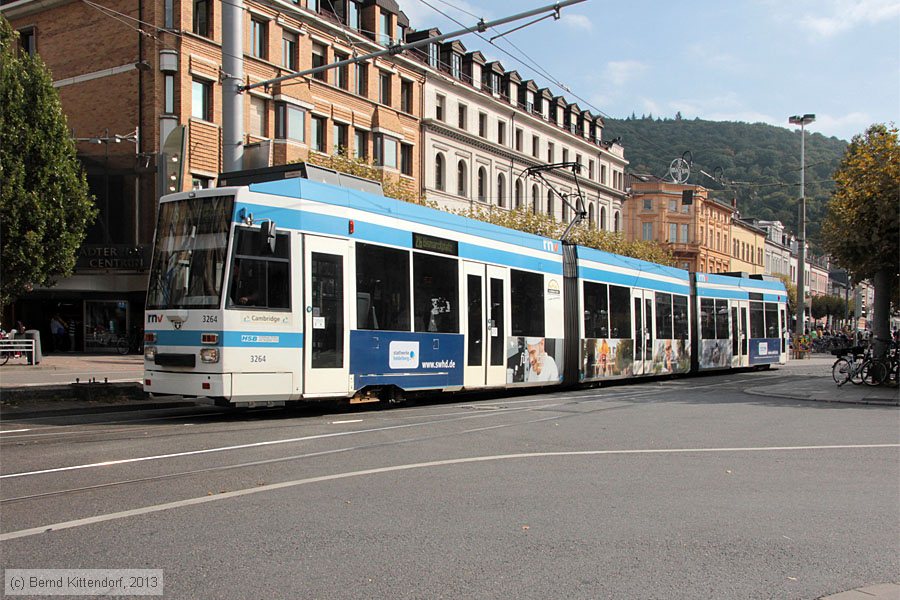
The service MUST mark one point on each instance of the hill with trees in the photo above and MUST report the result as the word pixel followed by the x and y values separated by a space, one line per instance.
pixel 757 164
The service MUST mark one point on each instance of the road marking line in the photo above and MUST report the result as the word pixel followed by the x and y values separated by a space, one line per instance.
pixel 14 431
pixel 12 535
pixel 347 421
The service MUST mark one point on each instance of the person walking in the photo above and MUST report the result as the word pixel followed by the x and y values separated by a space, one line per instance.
pixel 58 329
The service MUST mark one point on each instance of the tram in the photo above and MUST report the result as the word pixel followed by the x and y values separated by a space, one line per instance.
pixel 266 291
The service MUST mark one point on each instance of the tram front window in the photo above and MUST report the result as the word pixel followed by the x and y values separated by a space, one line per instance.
pixel 189 253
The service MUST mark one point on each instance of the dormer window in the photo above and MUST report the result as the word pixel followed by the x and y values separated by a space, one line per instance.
pixel 353 15
pixel 495 83
pixel 433 53
pixel 455 65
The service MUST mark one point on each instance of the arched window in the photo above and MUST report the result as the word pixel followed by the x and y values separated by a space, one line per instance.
pixel 603 218
pixel 461 178
pixel 565 211
pixel 535 199
pixel 439 168
pixel 482 184
pixel 591 215
pixel 616 221
pixel 501 190
pixel 518 194
pixel 550 202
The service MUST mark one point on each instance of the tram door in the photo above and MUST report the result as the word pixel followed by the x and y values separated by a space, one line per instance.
pixel 326 316
pixel 739 333
pixel 643 331
pixel 486 292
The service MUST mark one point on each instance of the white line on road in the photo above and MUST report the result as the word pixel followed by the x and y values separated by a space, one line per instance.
pixel 14 431
pixel 12 535
pixel 346 421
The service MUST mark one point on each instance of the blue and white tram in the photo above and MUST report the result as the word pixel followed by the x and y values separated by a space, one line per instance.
pixel 636 318
pixel 295 289
pixel 742 321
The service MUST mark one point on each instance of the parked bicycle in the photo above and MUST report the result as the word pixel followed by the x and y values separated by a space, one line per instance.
pixel 133 342
pixel 858 366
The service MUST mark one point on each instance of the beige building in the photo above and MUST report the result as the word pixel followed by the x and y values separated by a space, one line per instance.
pixel 747 247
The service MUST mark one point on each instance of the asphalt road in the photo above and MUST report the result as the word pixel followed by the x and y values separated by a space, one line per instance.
pixel 681 489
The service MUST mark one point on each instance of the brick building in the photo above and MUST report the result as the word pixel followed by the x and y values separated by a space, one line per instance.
pixel 133 74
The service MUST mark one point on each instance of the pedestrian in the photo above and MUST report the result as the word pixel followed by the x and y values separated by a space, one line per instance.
pixel 58 329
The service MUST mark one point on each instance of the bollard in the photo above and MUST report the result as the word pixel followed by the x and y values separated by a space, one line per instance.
pixel 37 357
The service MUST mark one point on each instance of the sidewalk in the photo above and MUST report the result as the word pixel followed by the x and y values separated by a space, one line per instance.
pixel 68 381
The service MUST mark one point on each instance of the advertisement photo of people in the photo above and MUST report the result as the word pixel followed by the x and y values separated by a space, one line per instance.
pixel 533 360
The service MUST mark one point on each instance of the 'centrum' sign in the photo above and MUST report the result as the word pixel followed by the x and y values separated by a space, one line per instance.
pixel 112 256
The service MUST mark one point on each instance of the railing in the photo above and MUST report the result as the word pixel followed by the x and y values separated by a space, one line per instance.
pixel 16 348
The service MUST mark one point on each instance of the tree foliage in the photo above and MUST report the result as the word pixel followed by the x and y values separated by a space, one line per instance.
pixel 45 206
pixel 862 226
pixel 761 163
pixel 393 187
pixel 791 288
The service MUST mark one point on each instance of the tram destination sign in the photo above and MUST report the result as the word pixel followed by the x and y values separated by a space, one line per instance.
pixel 435 244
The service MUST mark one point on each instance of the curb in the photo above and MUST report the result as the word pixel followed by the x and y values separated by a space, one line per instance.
pixel 869 401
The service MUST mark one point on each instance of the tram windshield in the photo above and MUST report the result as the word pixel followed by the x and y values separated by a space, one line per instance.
pixel 189 253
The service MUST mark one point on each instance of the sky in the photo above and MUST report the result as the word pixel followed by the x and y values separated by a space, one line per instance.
pixel 722 60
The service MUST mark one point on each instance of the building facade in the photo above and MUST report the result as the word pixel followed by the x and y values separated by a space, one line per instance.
pixel 140 84
pixel 747 247
pixel 483 125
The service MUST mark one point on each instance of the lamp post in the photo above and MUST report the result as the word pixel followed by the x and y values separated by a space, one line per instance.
pixel 802 121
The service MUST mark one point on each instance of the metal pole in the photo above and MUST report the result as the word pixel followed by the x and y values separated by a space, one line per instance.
pixel 481 27
pixel 801 250
pixel 233 77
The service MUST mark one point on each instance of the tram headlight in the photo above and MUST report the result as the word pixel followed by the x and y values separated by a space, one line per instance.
pixel 209 355
pixel 149 352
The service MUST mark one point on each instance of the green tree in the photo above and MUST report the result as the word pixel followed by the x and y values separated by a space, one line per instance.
pixel 862 225
pixel 45 206
pixel 791 288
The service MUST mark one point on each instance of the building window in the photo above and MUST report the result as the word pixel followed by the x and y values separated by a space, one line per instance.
pixel 685 230
pixel 591 169
pixel 384 87
pixel 258 114
pixel 461 178
pixel 616 221
pixel 201 18
pixel 360 143
pixel 386 149
pixel 565 155
pixel 319 56
pixel 259 45
pixel 28 41
pixel 362 79
pixel 406 96
pixel 440 103
pixel 495 83
pixel 433 55
pixel 551 150
pixel 550 202
pixel 312 5
pixel 482 184
pixel 201 100
pixel 603 174
pixel 455 65
pixel 535 146
pixel 518 194
pixel 384 35
pixel 340 138
pixel 501 133
pixel 290 122
pixel 501 190
pixel 406 159
pixel 440 169
pixel 353 15
pixel 673 233
pixel 535 199
pixel 482 124
pixel 648 204
pixel 199 182
pixel 519 139
pixel 342 78
pixel 317 125
pixel 289 50
pixel 169 105
pixel 169 14
pixel 591 215
pixel 647 231
pixel 673 205
pixel 603 218
pixel 462 117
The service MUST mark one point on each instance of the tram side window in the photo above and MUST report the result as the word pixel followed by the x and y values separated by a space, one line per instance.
pixel 527 291
pixel 771 320
pixel 436 291
pixel 596 312
pixel 757 320
pixel 260 279
pixel 619 312
pixel 663 316
pixel 722 319
pixel 382 288
pixel 680 310
pixel 707 318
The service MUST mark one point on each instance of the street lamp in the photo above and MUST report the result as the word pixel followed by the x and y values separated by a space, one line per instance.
pixel 802 121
